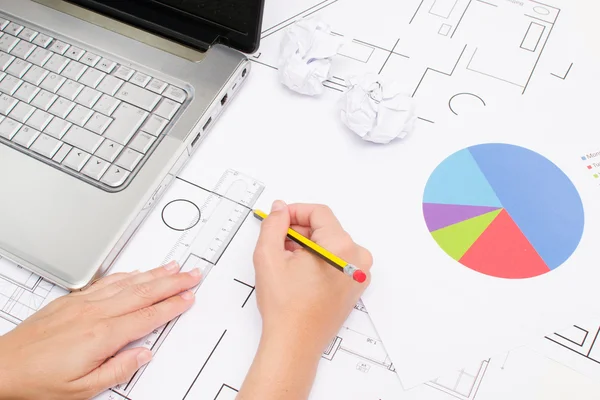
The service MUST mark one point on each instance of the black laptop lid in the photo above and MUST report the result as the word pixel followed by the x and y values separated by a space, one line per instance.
pixel 196 23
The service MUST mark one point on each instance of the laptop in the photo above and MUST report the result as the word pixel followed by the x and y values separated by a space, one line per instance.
pixel 102 103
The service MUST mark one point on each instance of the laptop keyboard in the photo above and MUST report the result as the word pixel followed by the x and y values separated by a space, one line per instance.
pixel 77 109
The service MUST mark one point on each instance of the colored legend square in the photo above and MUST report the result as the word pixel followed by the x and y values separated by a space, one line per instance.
pixel 589 167
pixel 583 158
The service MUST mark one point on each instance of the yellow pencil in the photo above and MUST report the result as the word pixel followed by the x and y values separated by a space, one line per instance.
pixel 347 268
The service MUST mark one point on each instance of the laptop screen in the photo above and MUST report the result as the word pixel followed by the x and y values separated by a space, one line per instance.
pixel 196 23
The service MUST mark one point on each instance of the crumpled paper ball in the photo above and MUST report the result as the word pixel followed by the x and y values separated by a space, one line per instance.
pixel 376 110
pixel 307 49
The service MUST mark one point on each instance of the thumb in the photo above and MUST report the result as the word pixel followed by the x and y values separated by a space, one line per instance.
pixel 274 228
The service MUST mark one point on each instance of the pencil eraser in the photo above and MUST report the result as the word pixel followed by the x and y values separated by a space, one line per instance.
pixel 359 276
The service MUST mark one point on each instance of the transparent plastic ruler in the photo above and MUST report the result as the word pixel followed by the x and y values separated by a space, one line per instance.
pixel 227 206
pixel 220 217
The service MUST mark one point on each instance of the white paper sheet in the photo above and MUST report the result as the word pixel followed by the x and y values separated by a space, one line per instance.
pixel 476 59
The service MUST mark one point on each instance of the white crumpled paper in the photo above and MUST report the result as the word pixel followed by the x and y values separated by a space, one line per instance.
pixel 377 110
pixel 306 52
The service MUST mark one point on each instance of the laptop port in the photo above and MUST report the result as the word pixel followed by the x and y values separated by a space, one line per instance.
pixel 224 100
pixel 196 139
pixel 207 124
pixel 244 72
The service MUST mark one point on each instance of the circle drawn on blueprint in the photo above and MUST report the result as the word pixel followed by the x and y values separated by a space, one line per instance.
pixel 181 215
pixel 541 10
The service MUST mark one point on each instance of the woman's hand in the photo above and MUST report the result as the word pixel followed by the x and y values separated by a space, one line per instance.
pixel 302 299
pixel 68 350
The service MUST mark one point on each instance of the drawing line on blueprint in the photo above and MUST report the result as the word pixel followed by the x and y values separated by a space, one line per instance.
pixel 252 289
pixel 204 365
pixel 439 72
pixel 458 388
pixel 566 73
pixel 581 349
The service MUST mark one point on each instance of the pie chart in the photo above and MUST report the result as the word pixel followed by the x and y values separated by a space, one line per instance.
pixel 504 211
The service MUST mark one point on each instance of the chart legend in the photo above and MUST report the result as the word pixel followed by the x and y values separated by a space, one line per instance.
pixel 504 211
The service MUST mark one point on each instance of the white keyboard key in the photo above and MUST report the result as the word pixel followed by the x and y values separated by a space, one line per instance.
pixel 140 79
pixel 53 82
pixel 3 23
pixel 7 103
pixel 27 92
pixel 129 159
pixel 10 84
pixel 167 108
pixel 83 139
pixel 107 105
pixel 40 56
pixel 109 150
pixel 39 120
pixel 115 176
pixel 23 49
pixel 155 125
pixel 88 97
pixel 98 123
pixel 137 96
pixel 127 120
pixel 57 128
pixel 61 107
pixel 42 40
pixel 22 112
pixel 8 128
pixel 95 168
pixel 90 59
pixel 13 28
pixel 18 68
pixel 57 63
pixel 7 43
pixel 28 34
pixel 35 75
pixel 106 65
pixel 76 159
pixel 124 73
pixel 80 115
pixel 110 85
pixel 174 93
pixel 142 142
pixel 74 53
pixel 26 136
pixel 5 60
pixel 91 77
pixel 74 70
pixel 62 153
pixel 157 86
pixel 44 100
pixel 59 47
pixel 70 90
pixel 46 146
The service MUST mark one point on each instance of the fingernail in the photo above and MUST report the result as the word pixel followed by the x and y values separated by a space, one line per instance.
pixel 144 357
pixel 187 295
pixel 195 272
pixel 278 205
pixel 171 266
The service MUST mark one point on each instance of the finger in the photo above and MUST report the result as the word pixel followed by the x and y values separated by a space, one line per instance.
pixel 106 281
pixel 145 294
pixel 118 286
pixel 143 321
pixel 315 216
pixel 305 231
pixel 115 371
pixel 273 230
